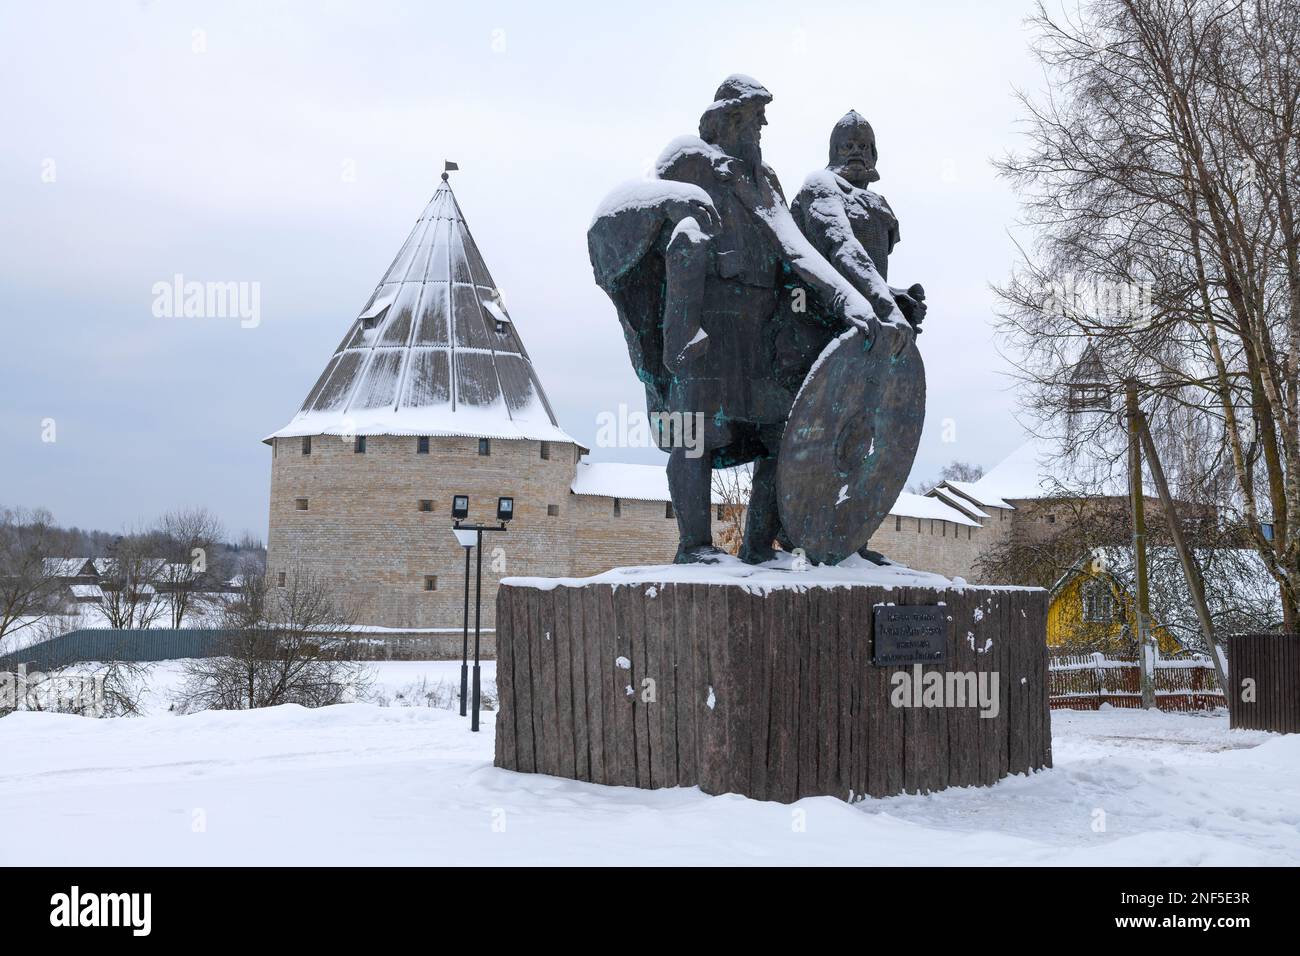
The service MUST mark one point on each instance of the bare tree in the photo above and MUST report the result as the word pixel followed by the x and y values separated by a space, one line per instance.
pixel 128 581
pixel 953 471
pixel 189 540
pixel 290 644
pixel 29 576
pixel 731 497
pixel 1161 184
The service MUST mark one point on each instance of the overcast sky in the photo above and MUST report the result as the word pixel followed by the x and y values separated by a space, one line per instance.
pixel 294 145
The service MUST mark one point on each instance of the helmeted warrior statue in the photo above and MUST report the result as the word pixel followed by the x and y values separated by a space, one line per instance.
pixel 849 224
pixel 726 306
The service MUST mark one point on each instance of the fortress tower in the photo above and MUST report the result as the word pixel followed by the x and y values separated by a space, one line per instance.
pixel 431 393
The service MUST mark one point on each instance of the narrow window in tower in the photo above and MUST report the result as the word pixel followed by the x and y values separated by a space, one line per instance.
pixel 279 580
pixel 668 510
pixel 300 504
pixel 552 511
pixel 546 451
pixel 306 444
pixel 422 445
pixel 485 446
pixel 426 504
pixel 431 582
pixel 898 522
pixel 359 445
pixel 618 507
pixel 722 512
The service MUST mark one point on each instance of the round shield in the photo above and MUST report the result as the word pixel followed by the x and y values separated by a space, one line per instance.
pixel 849 445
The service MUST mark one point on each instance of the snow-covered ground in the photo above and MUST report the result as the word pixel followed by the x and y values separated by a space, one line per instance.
pixel 368 784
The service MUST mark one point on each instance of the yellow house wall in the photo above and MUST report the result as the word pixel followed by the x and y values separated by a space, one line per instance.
pixel 1066 626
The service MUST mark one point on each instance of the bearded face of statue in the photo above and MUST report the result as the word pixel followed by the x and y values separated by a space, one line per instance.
pixel 740 132
pixel 853 153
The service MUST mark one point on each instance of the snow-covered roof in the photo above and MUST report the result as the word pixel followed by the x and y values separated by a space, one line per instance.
pixel 64 567
pixel 432 352
pixel 1045 468
pixel 620 480
pixel 967 490
pixel 909 505
pixel 964 505
pixel 650 483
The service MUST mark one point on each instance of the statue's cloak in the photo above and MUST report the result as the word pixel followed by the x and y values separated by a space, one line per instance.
pixel 626 244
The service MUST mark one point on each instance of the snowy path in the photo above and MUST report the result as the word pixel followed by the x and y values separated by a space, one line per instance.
pixel 360 784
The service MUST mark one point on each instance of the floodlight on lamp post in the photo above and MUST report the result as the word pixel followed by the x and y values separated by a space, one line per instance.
pixel 472 536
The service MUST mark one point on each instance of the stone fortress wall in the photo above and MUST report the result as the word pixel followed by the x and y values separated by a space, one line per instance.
pixel 363 529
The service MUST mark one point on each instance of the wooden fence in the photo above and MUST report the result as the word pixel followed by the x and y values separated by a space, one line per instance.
pixel 1086 681
pixel 770 693
pixel 1265 681
pixel 113 644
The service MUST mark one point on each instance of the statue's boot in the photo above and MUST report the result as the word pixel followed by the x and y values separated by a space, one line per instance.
pixel 703 554
pixel 875 557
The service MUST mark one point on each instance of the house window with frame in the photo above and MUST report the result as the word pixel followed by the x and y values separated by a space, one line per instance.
pixel 431 582
pixel 1098 601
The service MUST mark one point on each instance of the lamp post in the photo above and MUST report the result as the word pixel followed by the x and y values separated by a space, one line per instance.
pixel 459 512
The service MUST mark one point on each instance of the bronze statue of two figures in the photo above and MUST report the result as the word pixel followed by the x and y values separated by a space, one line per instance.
pixel 768 333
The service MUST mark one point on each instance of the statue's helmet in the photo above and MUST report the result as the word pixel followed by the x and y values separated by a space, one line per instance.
pixel 737 91
pixel 852 123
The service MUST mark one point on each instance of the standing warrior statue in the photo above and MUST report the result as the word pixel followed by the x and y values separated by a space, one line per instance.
pixel 703 263
pixel 849 224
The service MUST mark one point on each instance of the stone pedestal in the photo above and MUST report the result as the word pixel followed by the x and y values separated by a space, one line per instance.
pixel 768 691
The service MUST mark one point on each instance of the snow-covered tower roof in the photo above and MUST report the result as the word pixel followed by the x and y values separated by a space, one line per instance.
pixel 433 352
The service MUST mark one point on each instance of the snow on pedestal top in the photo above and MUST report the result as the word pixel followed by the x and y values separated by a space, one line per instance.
pixel 778 574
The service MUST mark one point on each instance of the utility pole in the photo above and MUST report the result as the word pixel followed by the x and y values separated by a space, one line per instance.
pixel 1145 642
pixel 1195 584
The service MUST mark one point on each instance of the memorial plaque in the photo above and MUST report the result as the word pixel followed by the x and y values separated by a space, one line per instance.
pixel 910 635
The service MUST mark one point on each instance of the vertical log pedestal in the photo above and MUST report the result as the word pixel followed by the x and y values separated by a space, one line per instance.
pixel 764 689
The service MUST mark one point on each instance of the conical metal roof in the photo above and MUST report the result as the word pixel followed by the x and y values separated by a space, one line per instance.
pixel 434 351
